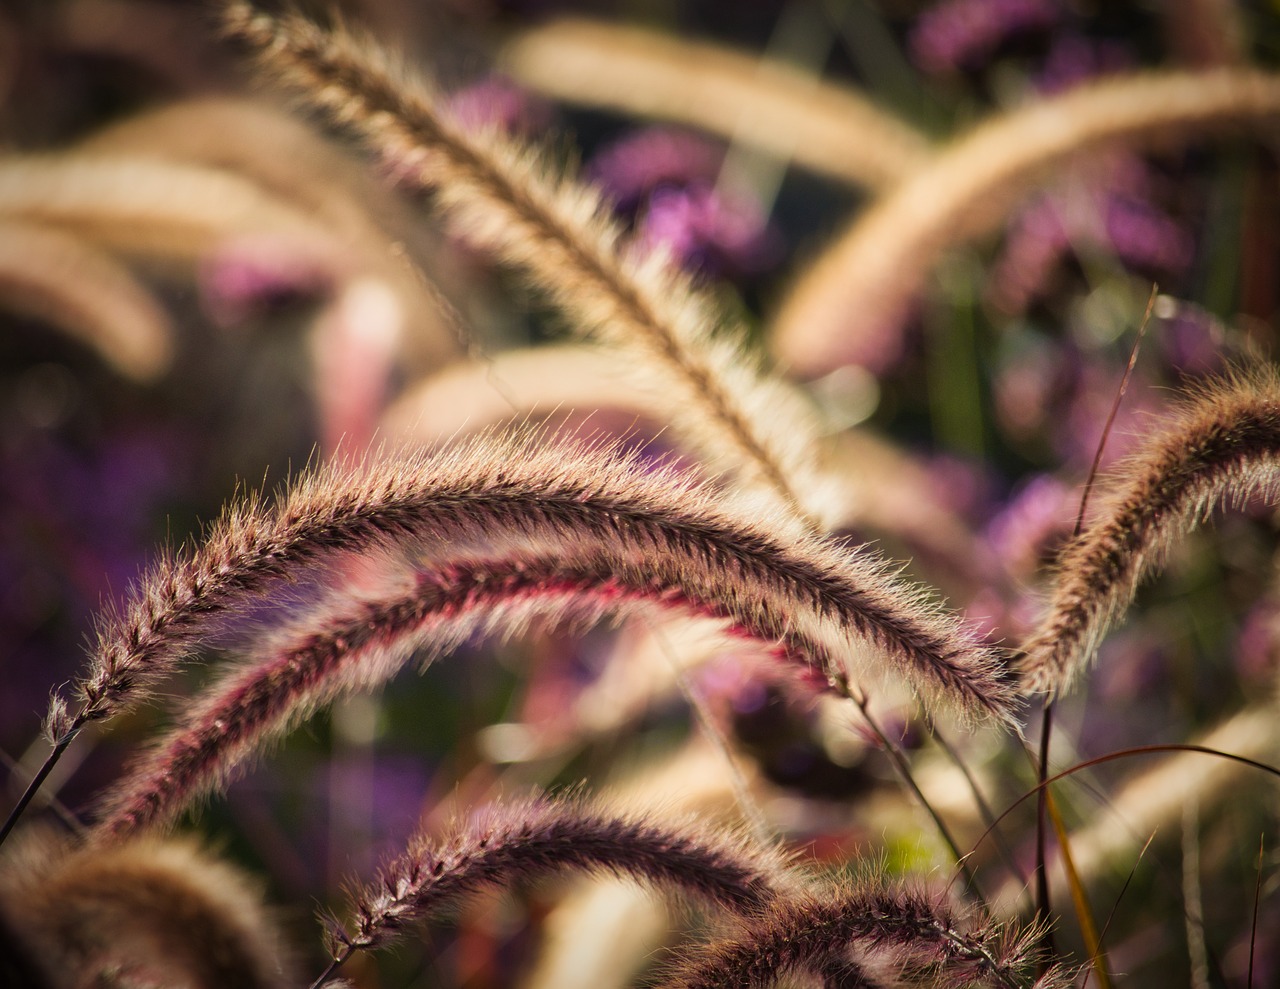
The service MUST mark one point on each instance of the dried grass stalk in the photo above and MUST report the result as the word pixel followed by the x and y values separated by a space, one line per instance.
pixel 768 104
pixel 513 845
pixel 157 209
pixel 503 529
pixel 863 283
pixel 504 199
pixel 1221 445
pixel 144 913
pixel 62 280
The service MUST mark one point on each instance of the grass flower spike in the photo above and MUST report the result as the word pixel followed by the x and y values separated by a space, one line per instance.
pixel 864 282
pixel 519 843
pixel 1222 446
pixel 500 528
pixel 504 199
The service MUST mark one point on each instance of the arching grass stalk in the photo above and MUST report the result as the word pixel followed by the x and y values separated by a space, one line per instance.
pixel 508 845
pixel 501 528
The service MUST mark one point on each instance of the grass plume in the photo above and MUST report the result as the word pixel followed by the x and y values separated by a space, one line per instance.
pixel 144 913
pixel 848 928
pixel 502 527
pixel 162 210
pixel 1221 445
pixel 505 199
pixel 865 280
pixel 512 845
pixel 290 161
pixel 830 129
pixel 59 278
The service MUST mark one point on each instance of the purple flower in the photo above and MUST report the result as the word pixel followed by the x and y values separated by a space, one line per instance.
pixel 986 617
pixel 704 230
pixel 630 169
pixel 1193 339
pixel 963 485
pixel 1143 236
pixel 1128 225
pixel 665 181
pixel 1081 428
pixel 499 103
pixel 1041 512
pixel 1132 665
pixel 960 34
pixel 1033 250
pixel 1074 59
pixel 252 276
pixel 1258 644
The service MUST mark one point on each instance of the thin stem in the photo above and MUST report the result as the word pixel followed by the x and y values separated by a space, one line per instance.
pixel 984 808
pixel 1116 905
pixel 64 813
pixel 1136 750
pixel 903 769
pixel 1046 728
pixel 339 959
pixel 1253 926
pixel 1042 809
pixel 1115 409
pixel 37 781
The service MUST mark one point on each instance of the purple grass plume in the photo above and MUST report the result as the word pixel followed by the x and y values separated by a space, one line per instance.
pixel 507 846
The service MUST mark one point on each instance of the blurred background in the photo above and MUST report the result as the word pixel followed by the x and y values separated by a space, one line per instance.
pixel 202 292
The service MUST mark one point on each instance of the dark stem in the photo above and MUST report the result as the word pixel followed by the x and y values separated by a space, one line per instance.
pixel 984 809
pixel 1253 927
pixel 903 769
pixel 63 812
pixel 1042 808
pixel 337 962
pixel 1046 729
pixel 36 782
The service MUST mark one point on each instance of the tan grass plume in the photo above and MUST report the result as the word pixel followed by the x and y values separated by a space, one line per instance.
pixel 158 209
pixel 292 162
pixel 864 281
pixel 505 199
pixel 769 104
pixel 63 280
pixel 143 913
pixel 1221 445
